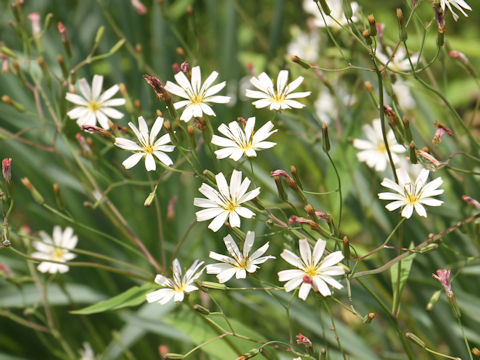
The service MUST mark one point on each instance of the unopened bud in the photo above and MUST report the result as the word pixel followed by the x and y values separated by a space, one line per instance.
pixel 139 7
pixel 58 197
pixel 36 195
pixel 373 25
pixel 406 126
pixel 7 169
pixel 414 338
pixel 173 356
pixel 61 62
pixel 347 9
pixel 148 201
pixel 293 170
pixel 171 207
pixel 280 189
pixel 5 68
pixel 433 300
pixel 62 30
pixel 185 67
pixel 6 51
pixel 181 52
pixel 99 35
pixel 139 48
pixel 300 62
pixel 401 25
pixel 366 36
pixel 35 19
pixel 346 248
pixel 8 100
pixel 200 309
pixel 326 140
pixel 476 352
pixel 190 10
pixel 324 6
pixel 98 130
pixel 209 175
pixel 368 85
pixel 323 354
pixel 413 153
pixel 310 210
pixel 212 285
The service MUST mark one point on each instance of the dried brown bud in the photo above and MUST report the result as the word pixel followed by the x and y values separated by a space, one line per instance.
pixel 310 210
pixel 368 85
pixel 167 125
pixel 181 53
pixel 476 352
pixel 400 16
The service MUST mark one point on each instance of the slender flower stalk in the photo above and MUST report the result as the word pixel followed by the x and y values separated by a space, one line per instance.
pixel 178 286
pixel 93 106
pixel 197 96
pixel 276 99
pixel 226 202
pixel 242 141
pixel 411 195
pixel 240 262
pixel 311 272
pixel 56 248
pixel 148 146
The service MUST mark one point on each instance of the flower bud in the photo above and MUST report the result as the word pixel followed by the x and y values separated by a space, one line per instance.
pixel 173 356
pixel 202 310
pixel 99 35
pixel 171 207
pixel 181 52
pixel 346 248
pixel 62 30
pixel 212 285
pixel 324 6
pixel 326 140
pixel 373 25
pixel 8 100
pixel 476 352
pixel 368 318
pixel 433 300
pixel 7 170
pixel 7 52
pixel 148 201
pixel 300 62
pixel 35 194
pixel 366 36
pixel 35 19
pixel 413 153
pixel 293 170
pixel 58 197
pixel 368 85
pixel 401 25
pixel 280 189
pixel 406 126
pixel 414 338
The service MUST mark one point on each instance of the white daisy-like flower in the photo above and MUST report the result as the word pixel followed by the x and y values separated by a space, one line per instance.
pixel 336 12
pixel 402 92
pixel 458 4
pixel 93 106
pixel 399 62
pixel 242 141
pixel 225 203
pixel 198 96
pixel 240 263
pixel 412 195
pixel 279 98
pixel 147 146
pixel 311 272
pixel 178 286
pixel 374 152
pixel 56 249
pixel 304 45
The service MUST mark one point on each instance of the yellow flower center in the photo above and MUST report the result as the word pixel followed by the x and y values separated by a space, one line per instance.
pixel 411 198
pixel 242 264
pixel 148 149
pixel 230 206
pixel 382 148
pixel 57 254
pixel 196 99
pixel 278 98
pixel 179 288
pixel 311 271
pixel 93 105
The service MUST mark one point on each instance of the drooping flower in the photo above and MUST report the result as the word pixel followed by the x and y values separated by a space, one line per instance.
pixel 242 141
pixel 311 272
pixel 240 263
pixel 443 275
pixel 147 146
pixel 374 152
pixel 458 4
pixel 336 12
pixel 225 203
pixel 93 106
pixel 279 98
pixel 399 62
pixel 56 249
pixel 197 96
pixel 178 286
pixel 412 195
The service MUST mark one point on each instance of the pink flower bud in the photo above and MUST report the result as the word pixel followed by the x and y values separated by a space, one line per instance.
pixel 302 339
pixel 137 4
pixel 280 173
pixel 7 169
pixel 185 67
pixel 443 275
pixel 171 207
pixel 471 201
pixel 176 68
pixel 35 19
pixel 459 56
pixel 4 63
pixel 62 31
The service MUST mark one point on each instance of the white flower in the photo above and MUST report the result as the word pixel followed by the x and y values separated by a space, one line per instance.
pixel 87 352
pixel 240 263
pixel 225 203
pixel 459 4
pixel 304 45
pixel 374 152
pixel 311 272
pixel 198 96
pixel 242 141
pixel 403 94
pixel 412 195
pixel 178 286
pixel 399 62
pixel 282 97
pixel 336 12
pixel 56 249
pixel 93 106
pixel 147 146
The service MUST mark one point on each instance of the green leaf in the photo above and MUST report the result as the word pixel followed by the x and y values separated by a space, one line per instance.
pixel 405 266
pixel 132 297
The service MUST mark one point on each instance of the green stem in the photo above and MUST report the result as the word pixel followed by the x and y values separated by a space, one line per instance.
pixel 339 192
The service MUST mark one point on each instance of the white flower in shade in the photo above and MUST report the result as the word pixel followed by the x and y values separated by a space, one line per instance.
pixel 147 146
pixel 279 98
pixel 178 286
pixel 240 263
pixel 198 96
pixel 93 106
pixel 225 203
pixel 56 249
pixel 374 151
pixel 311 272
pixel 336 12
pixel 399 62
pixel 458 4
pixel 87 352
pixel 242 141
pixel 304 45
pixel 403 94
pixel 411 195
